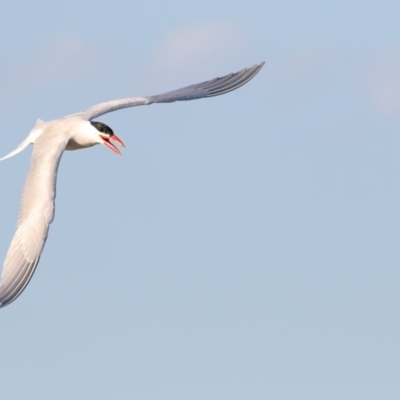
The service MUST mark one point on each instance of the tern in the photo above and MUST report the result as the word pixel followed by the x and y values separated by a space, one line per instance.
pixel 74 132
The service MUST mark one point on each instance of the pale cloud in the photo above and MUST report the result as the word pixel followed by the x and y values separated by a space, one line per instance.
pixel 383 83
pixel 196 44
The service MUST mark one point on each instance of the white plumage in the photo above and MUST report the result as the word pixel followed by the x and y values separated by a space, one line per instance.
pixel 74 132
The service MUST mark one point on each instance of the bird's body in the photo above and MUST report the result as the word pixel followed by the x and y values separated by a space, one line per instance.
pixel 74 132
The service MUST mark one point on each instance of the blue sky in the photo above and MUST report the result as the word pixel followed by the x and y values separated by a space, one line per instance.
pixel 245 246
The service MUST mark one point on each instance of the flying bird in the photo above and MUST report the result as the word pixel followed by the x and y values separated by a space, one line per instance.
pixel 74 132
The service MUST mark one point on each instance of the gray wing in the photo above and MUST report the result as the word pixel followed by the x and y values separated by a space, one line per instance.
pixel 214 87
pixel 36 214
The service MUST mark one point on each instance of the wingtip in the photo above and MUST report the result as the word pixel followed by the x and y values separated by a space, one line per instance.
pixel 259 66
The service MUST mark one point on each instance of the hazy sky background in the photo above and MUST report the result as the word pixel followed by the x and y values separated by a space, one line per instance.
pixel 245 246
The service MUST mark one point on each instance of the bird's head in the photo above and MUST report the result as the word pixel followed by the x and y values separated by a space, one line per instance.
pixel 107 135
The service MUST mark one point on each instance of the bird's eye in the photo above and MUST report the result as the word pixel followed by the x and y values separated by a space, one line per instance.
pixel 103 128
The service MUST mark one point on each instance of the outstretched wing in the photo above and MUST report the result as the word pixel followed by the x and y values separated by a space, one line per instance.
pixel 214 87
pixel 36 214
